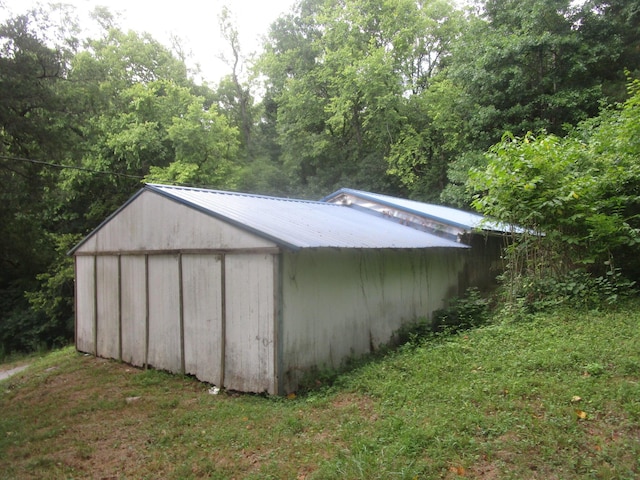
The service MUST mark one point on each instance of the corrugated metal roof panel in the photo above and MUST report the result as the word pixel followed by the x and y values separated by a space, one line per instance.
pixel 303 224
pixel 452 216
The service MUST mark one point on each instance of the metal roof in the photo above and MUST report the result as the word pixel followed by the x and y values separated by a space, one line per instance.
pixel 452 216
pixel 297 224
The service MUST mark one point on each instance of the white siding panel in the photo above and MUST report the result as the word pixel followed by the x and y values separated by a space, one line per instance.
pixel 202 294
pixel 85 304
pixel 164 313
pixel 338 304
pixel 107 283
pixel 134 309
pixel 250 344
pixel 152 222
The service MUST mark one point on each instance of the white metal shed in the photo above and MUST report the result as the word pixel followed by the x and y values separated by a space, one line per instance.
pixel 249 292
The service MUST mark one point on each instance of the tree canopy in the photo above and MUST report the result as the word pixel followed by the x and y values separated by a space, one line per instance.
pixel 402 97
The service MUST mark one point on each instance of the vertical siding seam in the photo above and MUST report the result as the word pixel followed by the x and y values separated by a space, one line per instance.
pixel 146 313
pixel 223 317
pixel 120 308
pixel 278 381
pixel 95 305
pixel 181 300
pixel 75 301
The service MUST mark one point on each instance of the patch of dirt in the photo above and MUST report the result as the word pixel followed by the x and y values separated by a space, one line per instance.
pixel 364 405
pixel 484 470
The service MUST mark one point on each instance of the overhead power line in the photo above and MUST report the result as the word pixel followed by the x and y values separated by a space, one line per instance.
pixel 97 172
pixel 70 167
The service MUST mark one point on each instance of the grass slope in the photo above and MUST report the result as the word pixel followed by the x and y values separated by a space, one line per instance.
pixel 557 396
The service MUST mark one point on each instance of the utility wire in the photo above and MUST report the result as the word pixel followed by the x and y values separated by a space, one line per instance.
pixel 89 170
pixel 70 167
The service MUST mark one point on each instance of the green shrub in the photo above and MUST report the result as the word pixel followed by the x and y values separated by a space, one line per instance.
pixel 575 289
pixel 576 203
pixel 26 329
pixel 468 311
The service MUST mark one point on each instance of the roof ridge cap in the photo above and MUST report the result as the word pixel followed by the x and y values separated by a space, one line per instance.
pixel 165 188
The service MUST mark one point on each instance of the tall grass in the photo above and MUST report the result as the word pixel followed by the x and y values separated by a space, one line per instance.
pixel 556 395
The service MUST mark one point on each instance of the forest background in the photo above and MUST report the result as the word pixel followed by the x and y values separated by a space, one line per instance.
pixel 405 97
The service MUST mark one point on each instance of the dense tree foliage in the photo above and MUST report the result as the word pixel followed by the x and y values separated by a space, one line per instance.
pixel 395 96
pixel 33 126
pixel 80 130
pixel 532 66
pixel 575 199
pixel 342 80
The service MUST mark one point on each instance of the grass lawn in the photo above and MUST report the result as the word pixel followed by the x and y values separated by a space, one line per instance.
pixel 553 397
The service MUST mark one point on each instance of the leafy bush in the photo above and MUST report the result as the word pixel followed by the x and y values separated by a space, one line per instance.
pixel 576 289
pixel 576 200
pixel 55 297
pixel 24 329
pixel 468 311
pixel 38 316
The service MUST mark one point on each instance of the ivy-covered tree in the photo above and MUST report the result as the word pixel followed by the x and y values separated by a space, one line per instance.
pixel 610 30
pixel 531 67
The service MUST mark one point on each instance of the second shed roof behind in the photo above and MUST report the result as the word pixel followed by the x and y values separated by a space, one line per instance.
pixel 444 221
